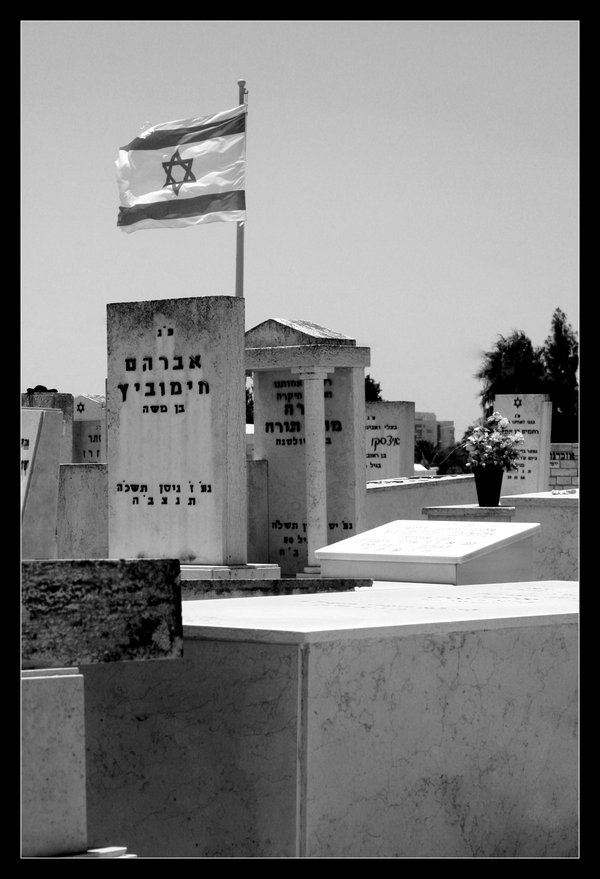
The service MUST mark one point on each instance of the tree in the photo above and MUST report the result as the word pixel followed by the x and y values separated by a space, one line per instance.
pixel 372 390
pixel 249 401
pixel 513 366
pixel 561 360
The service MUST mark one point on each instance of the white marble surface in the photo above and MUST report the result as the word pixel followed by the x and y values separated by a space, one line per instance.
pixel 417 540
pixel 385 608
pixel 413 740
pixel 556 545
pixel 437 745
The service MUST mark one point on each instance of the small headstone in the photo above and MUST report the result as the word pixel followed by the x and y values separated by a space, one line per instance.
pixel 434 552
pixel 41 431
pixel 176 430
pixel 41 397
pixel 531 414
pixel 390 440
pixel 89 429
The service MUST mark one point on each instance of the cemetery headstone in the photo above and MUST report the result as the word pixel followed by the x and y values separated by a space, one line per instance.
pixel 390 439
pixel 309 424
pixel 532 415
pixel 41 431
pixel 36 398
pixel 89 429
pixel 451 552
pixel 176 430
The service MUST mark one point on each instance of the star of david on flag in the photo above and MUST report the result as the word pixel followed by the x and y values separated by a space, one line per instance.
pixel 185 172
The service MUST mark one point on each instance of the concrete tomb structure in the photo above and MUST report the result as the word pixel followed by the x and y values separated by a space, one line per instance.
pixel 176 431
pixel 77 613
pixel 390 439
pixel 419 551
pixel 556 545
pixel 89 429
pixel 41 431
pixel 54 400
pixel 422 721
pixel 309 424
pixel 532 415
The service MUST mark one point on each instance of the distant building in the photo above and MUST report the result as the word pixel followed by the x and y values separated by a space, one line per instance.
pixel 445 434
pixel 438 433
pixel 426 427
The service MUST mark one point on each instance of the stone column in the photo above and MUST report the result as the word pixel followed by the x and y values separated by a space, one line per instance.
pixel 316 477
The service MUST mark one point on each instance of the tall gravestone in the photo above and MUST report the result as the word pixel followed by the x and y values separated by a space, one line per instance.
pixel 89 429
pixel 176 430
pixel 309 424
pixel 390 440
pixel 531 414
pixel 41 432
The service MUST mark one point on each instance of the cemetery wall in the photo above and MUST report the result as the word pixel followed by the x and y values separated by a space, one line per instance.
pixel 405 499
pixel 564 465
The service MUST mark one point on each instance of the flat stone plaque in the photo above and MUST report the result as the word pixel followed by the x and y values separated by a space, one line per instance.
pixel 434 552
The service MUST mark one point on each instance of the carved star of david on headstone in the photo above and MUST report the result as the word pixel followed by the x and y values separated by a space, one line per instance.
pixel 175 161
pixel 80 407
pixel 517 402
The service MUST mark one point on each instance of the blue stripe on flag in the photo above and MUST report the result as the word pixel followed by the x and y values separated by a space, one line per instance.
pixel 164 139
pixel 186 207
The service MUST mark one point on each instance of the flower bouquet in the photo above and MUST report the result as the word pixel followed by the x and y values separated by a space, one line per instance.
pixel 492 449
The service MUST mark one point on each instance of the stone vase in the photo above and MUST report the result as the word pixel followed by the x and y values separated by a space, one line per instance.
pixel 488 485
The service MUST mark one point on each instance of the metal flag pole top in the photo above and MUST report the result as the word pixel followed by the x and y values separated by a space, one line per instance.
pixel 239 257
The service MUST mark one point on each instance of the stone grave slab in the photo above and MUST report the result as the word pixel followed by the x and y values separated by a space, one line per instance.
pixel 176 430
pixel 53 763
pixel 447 552
pixel 390 439
pixel 76 612
pixel 532 415
pixel 41 431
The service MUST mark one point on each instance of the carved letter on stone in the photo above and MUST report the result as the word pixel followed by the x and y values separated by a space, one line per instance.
pixel 166 359
pixel 147 365
pixel 202 386
pixel 175 388
pixel 152 392
pixel 195 361
pixel 123 389
pixel 130 363
pixel 180 364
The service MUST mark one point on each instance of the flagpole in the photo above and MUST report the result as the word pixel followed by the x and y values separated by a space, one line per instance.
pixel 239 255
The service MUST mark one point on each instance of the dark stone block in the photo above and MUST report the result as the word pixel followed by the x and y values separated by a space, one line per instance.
pixel 78 612
pixel 194 590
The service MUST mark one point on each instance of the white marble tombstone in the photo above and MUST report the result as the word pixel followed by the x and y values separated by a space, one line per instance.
pixel 309 424
pixel 41 433
pixel 390 440
pixel 89 429
pixel 435 552
pixel 176 430
pixel 532 415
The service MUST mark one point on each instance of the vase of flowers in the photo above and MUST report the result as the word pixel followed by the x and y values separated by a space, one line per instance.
pixel 492 449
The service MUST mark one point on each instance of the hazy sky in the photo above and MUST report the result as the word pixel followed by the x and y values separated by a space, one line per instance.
pixel 411 184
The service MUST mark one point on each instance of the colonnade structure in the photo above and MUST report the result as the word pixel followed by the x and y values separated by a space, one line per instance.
pixel 309 424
